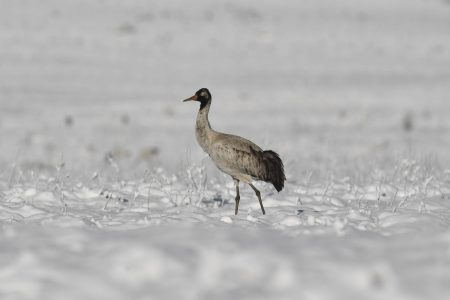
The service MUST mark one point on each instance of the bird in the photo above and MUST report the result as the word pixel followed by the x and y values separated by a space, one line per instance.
pixel 236 156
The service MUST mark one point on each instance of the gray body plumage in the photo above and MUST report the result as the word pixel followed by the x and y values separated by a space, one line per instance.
pixel 238 157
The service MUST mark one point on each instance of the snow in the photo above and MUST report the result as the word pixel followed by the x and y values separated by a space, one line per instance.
pixel 104 193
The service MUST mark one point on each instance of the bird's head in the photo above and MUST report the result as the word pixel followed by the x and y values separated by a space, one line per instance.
pixel 202 95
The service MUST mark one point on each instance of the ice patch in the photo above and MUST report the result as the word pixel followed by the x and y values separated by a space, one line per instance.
pixel 226 219
pixel 291 221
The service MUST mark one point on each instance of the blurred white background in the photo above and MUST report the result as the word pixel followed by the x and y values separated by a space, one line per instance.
pixel 317 81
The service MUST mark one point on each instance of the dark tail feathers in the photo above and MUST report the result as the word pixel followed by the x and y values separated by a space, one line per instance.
pixel 274 169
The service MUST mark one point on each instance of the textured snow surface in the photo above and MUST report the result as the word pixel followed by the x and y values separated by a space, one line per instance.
pixel 104 193
pixel 311 244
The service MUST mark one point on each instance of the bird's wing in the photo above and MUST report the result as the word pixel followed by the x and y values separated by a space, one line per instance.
pixel 236 153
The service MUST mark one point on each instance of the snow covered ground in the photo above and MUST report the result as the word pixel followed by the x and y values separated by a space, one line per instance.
pixel 104 193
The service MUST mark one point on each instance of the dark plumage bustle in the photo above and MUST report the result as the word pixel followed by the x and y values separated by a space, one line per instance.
pixel 274 169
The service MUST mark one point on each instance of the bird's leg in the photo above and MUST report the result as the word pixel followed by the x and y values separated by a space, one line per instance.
pixel 238 197
pixel 258 194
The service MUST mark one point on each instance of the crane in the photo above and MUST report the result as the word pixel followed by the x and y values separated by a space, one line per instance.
pixel 238 157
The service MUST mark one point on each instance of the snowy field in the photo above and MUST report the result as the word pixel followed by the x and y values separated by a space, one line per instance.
pixel 105 194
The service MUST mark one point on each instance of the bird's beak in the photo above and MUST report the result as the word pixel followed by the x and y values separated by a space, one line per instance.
pixel 193 98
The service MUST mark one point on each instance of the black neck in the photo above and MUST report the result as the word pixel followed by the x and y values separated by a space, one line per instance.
pixel 203 103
